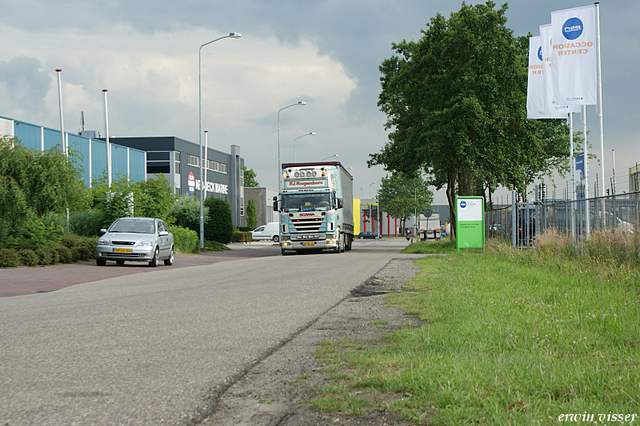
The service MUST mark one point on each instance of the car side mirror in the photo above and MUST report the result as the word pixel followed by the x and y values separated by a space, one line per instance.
pixel 275 204
pixel 163 233
pixel 103 231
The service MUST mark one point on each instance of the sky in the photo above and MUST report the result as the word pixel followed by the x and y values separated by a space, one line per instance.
pixel 326 53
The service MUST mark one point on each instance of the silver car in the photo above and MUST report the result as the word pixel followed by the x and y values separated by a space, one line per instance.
pixel 139 239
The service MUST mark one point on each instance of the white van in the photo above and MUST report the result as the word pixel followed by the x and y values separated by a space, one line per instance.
pixel 269 231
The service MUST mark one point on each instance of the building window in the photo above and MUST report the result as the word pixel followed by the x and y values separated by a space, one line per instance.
pixel 193 160
pixel 176 162
pixel 158 162
pixel 223 168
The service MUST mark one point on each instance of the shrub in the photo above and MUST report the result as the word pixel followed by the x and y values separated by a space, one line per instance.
pixel 65 254
pixel 85 223
pixel 9 258
pixel 82 248
pixel 45 256
pixel 241 237
pixel 28 257
pixel 185 213
pixel 220 225
pixel 185 240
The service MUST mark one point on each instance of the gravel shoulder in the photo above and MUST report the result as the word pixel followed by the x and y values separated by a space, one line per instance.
pixel 277 389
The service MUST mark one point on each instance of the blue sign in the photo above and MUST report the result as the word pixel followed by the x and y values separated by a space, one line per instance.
pixel 540 52
pixel 572 28
pixel 463 204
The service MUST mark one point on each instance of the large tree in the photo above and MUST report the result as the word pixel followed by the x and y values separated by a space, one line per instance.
pixel 455 102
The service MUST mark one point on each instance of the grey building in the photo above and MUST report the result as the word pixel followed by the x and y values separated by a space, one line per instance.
pixel 179 161
pixel 263 200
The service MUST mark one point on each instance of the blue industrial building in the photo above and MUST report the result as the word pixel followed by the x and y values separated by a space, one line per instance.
pixel 141 158
pixel 125 161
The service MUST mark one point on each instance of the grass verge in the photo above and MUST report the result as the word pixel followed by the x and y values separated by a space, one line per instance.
pixel 510 338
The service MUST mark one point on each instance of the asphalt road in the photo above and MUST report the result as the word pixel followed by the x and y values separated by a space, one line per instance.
pixel 152 348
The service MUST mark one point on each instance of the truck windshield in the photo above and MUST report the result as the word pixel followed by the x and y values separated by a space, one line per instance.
pixel 306 202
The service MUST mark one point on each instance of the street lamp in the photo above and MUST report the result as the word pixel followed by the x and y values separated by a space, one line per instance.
pixel 202 183
pixel 331 156
pixel 372 183
pixel 294 143
pixel 288 106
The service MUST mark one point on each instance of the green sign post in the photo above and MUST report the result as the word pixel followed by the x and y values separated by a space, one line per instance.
pixel 469 222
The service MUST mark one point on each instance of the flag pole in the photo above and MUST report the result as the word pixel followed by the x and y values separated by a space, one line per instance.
pixel 586 171
pixel 599 105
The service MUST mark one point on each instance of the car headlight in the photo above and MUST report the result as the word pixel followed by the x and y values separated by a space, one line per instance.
pixel 103 242
pixel 145 243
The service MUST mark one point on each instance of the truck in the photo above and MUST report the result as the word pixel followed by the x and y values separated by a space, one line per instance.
pixel 316 208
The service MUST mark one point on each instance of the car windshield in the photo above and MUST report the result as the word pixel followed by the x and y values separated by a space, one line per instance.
pixel 133 226
pixel 306 202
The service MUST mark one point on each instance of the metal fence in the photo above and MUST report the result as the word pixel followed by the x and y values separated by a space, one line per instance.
pixel 576 218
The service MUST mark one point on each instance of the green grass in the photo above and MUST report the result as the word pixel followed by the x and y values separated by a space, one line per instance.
pixel 509 339
pixel 442 246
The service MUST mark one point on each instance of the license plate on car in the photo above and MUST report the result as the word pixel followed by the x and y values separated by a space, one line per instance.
pixel 309 243
pixel 119 250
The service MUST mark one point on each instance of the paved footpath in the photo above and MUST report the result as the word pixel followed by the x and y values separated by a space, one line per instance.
pixel 43 279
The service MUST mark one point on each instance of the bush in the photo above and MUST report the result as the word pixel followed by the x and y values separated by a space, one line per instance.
pixel 9 258
pixel 186 213
pixel 82 248
pixel 65 254
pixel 28 257
pixel 85 223
pixel 241 237
pixel 220 225
pixel 45 256
pixel 185 240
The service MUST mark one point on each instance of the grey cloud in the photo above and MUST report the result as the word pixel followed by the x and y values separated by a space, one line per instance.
pixel 24 82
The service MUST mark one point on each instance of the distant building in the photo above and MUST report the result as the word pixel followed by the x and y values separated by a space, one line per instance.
pixel 634 178
pixel 263 200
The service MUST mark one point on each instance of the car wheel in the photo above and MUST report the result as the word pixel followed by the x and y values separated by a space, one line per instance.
pixel 276 238
pixel 169 261
pixel 154 262
pixel 101 262
pixel 120 262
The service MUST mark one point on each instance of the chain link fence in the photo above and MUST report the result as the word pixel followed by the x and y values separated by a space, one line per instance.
pixel 576 218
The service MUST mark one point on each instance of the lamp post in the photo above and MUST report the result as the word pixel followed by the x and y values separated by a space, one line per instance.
pixel 288 106
pixel 106 126
pixel 332 156
pixel 202 184
pixel 294 143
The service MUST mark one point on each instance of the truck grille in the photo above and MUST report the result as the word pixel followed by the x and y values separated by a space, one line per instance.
pixel 311 224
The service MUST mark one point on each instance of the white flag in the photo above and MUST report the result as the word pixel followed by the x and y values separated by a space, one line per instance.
pixel 573 56
pixel 552 105
pixel 536 99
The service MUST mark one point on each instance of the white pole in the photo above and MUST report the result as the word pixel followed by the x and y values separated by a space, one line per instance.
pixel 613 168
pixel 586 171
pixel 206 151
pixel 106 125
pixel 62 138
pixel 599 106
pixel 573 178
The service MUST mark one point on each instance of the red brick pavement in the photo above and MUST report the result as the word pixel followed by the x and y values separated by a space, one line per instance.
pixel 41 279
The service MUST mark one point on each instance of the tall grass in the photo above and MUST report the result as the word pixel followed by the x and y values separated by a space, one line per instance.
pixel 511 338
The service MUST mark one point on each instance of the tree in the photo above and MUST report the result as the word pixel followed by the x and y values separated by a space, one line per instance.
pixel 252 219
pixel 250 180
pixel 35 183
pixel 153 197
pixel 220 225
pixel 456 105
pixel 185 213
pixel 401 196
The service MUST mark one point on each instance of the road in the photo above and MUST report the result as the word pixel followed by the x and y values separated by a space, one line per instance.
pixel 152 348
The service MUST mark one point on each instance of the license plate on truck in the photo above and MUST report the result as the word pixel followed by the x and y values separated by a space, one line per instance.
pixel 309 243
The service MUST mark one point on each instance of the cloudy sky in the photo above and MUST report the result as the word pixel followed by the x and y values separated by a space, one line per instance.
pixel 323 52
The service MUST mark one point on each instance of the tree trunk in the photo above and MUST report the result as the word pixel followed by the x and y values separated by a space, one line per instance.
pixel 451 198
